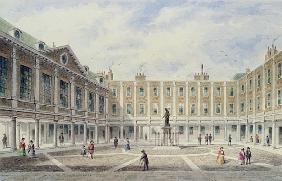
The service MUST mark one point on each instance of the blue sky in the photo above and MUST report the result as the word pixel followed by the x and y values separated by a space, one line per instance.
pixel 169 39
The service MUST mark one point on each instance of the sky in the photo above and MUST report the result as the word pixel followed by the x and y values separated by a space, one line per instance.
pixel 167 40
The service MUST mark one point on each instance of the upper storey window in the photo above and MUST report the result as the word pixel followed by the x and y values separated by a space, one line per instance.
pixel 64 89
pixel 268 76
pixel 279 97
pixel 91 102
pixel 141 91
pixel 258 81
pixel 279 70
pixel 181 91
pixel 114 92
pixel 155 91
pixel 46 89
pixel 25 83
pixel 78 97
pixel 206 91
pixel 250 84
pixel 268 100
pixel 168 91
pixel 64 58
pixel 101 104
pixel 193 91
pixel 128 91
pixel 218 91
pixel 3 76
pixel 231 93
pixel 242 88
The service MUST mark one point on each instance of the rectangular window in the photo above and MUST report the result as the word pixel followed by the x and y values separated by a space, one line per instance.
pixel 114 92
pixel 181 91
pixel 168 91
pixel 155 91
pixel 155 108
pixel 250 84
pixel 181 129
pixel 258 81
pixel 233 128
pixel 141 91
pixel 279 97
pixel 193 109
pixel 218 91
pixel 231 93
pixel 206 91
pixel 217 130
pixel 242 89
pixel 193 91
pixel 205 108
pixel 279 70
pixel 64 91
pixel 78 97
pixel 128 108
pixel 191 130
pixel 114 109
pixel 46 89
pixel 25 83
pixel 242 107
pixel 101 104
pixel 181 109
pixel 141 108
pixel 268 100
pixel 268 76
pixel 231 108
pixel 3 76
pixel 128 92
pixel 91 102
pixel 258 103
pixel 217 108
pixel 250 105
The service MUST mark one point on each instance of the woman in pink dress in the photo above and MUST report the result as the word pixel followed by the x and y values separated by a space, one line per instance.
pixel 242 156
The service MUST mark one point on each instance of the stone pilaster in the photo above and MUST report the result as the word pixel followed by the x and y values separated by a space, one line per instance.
pixel 37 125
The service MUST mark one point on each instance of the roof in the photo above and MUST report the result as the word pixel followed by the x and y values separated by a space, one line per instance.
pixel 238 76
pixel 26 38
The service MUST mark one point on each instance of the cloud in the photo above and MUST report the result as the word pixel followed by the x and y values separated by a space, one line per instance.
pixel 171 39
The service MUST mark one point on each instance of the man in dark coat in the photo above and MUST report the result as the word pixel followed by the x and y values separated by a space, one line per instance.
pixel 115 142
pixel 145 160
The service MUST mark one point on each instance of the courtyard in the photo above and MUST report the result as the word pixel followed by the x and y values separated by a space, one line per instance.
pixel 191 162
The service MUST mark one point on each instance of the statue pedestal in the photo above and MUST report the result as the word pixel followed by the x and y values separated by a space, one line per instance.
pixel 166 136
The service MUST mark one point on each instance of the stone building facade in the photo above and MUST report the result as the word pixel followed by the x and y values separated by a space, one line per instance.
pixel 46 92
pixel 249 105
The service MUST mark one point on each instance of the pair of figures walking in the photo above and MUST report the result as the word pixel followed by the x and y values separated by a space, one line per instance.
pixel 245 156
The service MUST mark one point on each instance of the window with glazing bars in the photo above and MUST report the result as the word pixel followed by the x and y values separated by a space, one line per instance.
pixel 91 102
pixel 3 76
pixel 78 97
pixel 25 82
pixel 101 104
pixel 46 89
pixel 64 89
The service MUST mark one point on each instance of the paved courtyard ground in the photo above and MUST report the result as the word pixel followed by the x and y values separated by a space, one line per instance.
pixel 186 163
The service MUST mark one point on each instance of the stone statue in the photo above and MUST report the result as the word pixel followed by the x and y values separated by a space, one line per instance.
pixel 166 116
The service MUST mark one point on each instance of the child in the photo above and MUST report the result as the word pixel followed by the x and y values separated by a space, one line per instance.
pixel 248 156
pixel 83 150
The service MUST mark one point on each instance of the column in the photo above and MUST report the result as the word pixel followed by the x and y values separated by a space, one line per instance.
pixel 121 101
pixel 106 133
pixel 85 133
pixel 247 131
pixel 212 130
pixel 262 140
pixel 97 104
pixel 56 91
pixel 238 132
pixel 148 101
pixel 199 99
pixel 14 79
pixel 96 134
pixel 135 133
pixel 86 99
pixel 187 131
pixel 55 133
pixel 18 131
pixel 225 130
pixel 199 127
pixel 135 100
pixel 150 132
pixel 121 132
pixel 28 131
pixel 37 133
pixel 46 132
pixel 254 132
pixel 224 100
pixel 72 134
pixel 274 132
pixel 174 100
pixel 106 110
pixel 37 82
pixel 212 104
pixel 162 98
pixel 13 143
pixel 139 133
pixel 274 92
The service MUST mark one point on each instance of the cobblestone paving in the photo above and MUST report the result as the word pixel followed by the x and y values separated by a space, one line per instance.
pixel 160 164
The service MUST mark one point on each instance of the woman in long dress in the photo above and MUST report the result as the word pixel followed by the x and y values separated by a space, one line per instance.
pixel 220 156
